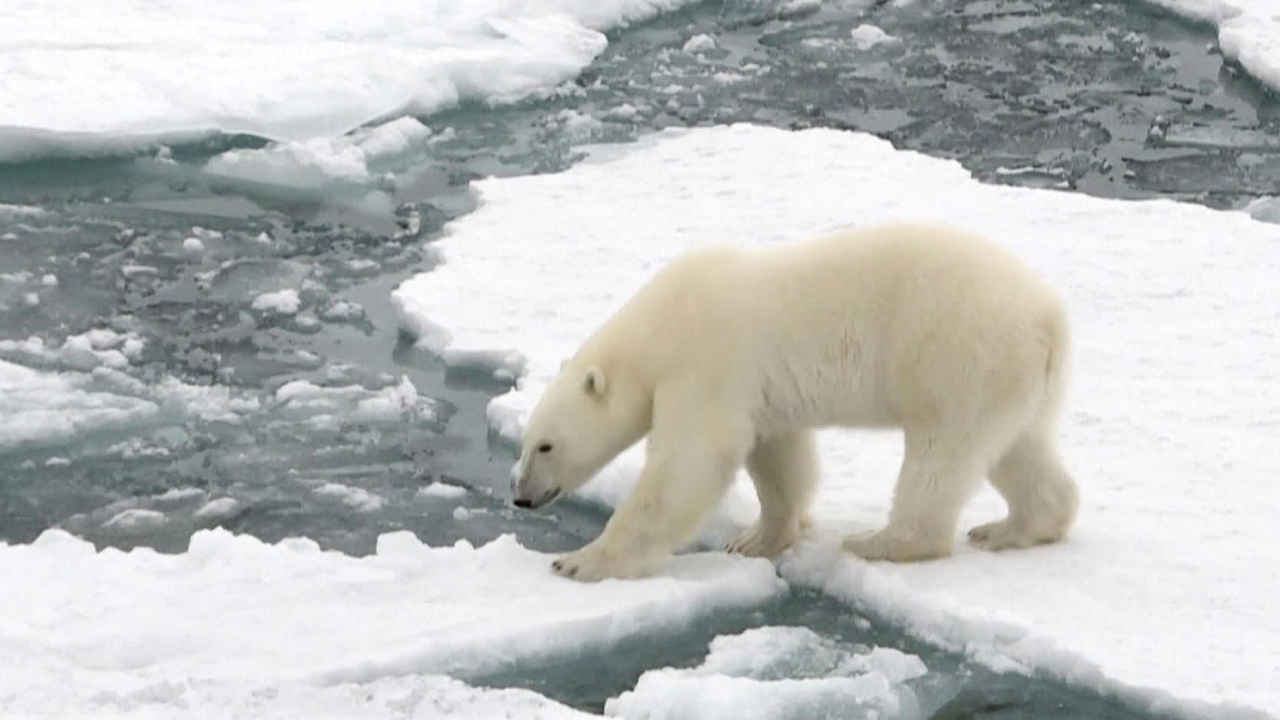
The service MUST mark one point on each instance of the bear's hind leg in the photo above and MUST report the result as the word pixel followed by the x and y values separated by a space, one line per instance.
pixel 939 473
pixel 1041 495
pixel 784 470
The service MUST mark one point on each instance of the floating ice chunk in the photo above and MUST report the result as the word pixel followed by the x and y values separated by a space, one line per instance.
pixel 218 508
pixel 136 519
pixel 40 409
pixel 390 404
pixel 1162 304
pixel 342 310
pixel 193 245
pixel 1265 209
pixel 442 490
pixel 281 302
pixel 49 280
pixel 6 209
pixel 179 494
pixel 770 672
pixel 866 37
pixel 355 497
pixel 86 351
pixel 699 43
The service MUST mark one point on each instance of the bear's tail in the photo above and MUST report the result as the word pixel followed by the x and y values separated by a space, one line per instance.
pixel 1057 368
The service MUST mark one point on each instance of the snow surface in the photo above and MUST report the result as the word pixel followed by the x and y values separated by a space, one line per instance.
pixel 239 628
pixel 1248 31
pixel 1167 583
pixel 115 74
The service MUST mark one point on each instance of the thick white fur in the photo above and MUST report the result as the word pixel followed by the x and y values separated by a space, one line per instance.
pixel 729 357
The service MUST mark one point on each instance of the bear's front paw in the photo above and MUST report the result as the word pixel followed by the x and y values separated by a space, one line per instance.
pixel 883 545
pixel 595 562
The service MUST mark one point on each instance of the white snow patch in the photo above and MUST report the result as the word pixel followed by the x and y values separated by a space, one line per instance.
pixel 1170 425
pixel 281 302
pixel 119 74
pixel 1248 31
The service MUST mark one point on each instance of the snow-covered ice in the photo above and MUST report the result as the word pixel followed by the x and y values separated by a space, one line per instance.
pixel 1166 582
pixel 1248 31
pixel 237 627
pixel 115 74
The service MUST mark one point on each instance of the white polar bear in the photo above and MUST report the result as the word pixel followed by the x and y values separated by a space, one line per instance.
pixel 729 357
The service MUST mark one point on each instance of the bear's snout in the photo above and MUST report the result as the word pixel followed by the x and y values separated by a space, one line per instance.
pixel 535 503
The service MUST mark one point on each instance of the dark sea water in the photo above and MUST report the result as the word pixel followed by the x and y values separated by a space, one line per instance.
pixel 1109 98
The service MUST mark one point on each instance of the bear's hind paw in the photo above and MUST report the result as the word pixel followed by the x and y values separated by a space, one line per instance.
pixel 1006 535
pixel 881 545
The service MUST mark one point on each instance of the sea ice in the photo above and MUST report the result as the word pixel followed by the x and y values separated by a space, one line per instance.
pixel 238 627
pixel 114 75
pixel 1170 425
pixel 42 409
pixel 1248 31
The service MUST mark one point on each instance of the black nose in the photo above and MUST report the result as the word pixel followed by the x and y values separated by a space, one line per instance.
pixel 522 503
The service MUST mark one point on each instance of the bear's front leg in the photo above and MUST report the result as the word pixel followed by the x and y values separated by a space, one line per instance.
pixel 669 503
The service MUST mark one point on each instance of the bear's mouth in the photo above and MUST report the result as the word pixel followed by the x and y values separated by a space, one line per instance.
pixel 538 502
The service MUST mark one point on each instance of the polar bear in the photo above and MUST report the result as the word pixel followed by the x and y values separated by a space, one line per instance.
pixel 730 357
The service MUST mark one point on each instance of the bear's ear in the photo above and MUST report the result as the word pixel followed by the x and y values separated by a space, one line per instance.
pixel 594 382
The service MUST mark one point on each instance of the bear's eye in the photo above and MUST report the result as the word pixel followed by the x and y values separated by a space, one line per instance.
pixel 544 447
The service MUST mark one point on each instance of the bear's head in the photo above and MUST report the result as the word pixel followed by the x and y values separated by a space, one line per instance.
pixel 584 420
